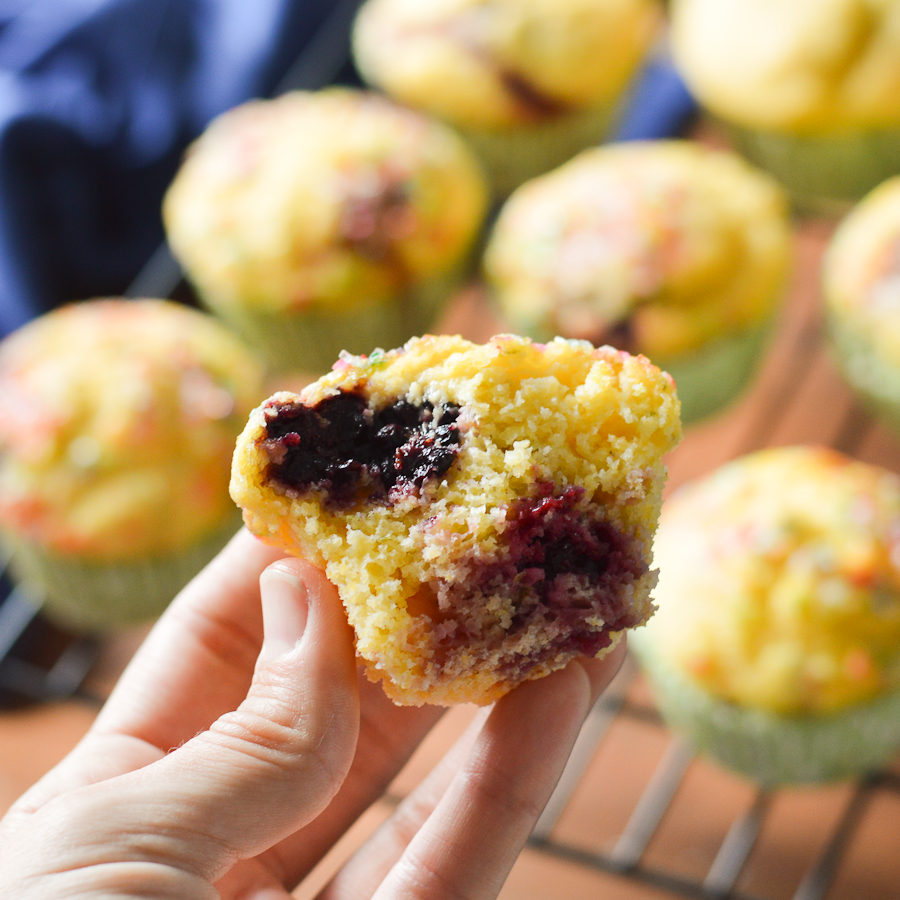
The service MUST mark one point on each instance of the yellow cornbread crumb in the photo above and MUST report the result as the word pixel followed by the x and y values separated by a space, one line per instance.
pixel 556 436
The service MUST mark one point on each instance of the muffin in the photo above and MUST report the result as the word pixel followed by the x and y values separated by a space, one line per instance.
pixel 485 511
pixel 861 289
pixel 664 248
pixel 528 83
pixel 809 90
pixel 325 221
pixel 776 646
pixel 117 424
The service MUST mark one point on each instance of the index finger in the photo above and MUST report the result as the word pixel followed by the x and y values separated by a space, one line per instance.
pixel 460 830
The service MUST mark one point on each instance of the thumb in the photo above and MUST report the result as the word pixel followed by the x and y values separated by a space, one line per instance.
pixel 268 768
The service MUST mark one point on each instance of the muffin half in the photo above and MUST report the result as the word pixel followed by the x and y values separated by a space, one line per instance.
pixel 486 512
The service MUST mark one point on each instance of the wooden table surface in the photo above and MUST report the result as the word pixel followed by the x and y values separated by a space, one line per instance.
pixel 636 817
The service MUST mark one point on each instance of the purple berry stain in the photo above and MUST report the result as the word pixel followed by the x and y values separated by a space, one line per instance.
pixel 349 452
pixel 566 568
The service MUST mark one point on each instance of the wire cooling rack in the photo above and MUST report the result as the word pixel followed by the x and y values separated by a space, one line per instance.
pixel 39 662
pixel 626 852
pixel 614 815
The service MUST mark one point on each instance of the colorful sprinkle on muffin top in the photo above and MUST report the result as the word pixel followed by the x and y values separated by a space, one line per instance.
pixel 329 199
pixel 115 417
pixel 780 582
pixel 503 63
pixel 658 247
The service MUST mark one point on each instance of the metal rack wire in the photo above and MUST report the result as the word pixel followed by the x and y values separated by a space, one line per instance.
pixel 626 857
pixel 40 662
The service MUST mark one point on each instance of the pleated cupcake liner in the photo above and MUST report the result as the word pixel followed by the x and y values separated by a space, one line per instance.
pixel 515 155
pixel 712 377
pixel 771 749
pixel 310 341
pixel 86 597
pixel 824 175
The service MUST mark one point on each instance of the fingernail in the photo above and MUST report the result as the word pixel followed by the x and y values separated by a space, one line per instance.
pixel 285 609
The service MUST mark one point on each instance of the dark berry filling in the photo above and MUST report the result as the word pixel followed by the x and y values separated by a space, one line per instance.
pixel 537 104
pixel 533 103
pixel 350 452
pixel 565 568
pixel 373 221
pixel 620 335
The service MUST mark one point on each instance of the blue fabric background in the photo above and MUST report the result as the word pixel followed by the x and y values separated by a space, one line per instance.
pixel 98 99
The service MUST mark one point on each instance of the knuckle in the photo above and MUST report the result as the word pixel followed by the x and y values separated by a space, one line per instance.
pixel 510 800
pixel 280 734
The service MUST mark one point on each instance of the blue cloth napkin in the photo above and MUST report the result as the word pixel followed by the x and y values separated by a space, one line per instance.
pixel 98 99
pixel 660 106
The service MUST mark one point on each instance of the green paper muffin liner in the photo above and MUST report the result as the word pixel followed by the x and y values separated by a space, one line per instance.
pixel 875 381
pixel 774 749
pixel 825 175
pixel 90 597
pixel 311 341
pixel 513 156
pixel 715 375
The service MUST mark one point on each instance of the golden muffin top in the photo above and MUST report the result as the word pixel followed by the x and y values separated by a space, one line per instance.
pixel 332 198
pixel 667 242
pixel 502 63
pixel 779 581
pixel 117 424
pixel 805 66
pixel 861 271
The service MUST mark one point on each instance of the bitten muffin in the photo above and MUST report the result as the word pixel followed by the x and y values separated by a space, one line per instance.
pixel 664 248
pixel 809 89
pixel 776 645
pixel 117 425
pixel 861 288
pixel 325 221
pixel 527 82
pixel 485 511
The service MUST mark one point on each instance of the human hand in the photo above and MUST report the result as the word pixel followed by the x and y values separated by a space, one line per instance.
pixel 241 743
